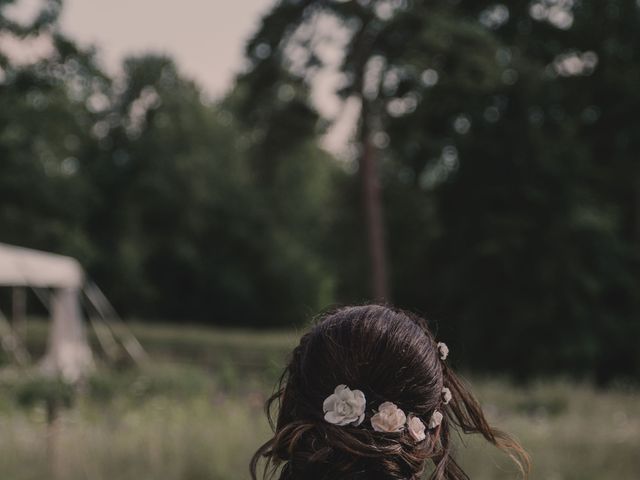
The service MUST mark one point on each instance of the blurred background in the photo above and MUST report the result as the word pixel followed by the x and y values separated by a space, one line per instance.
pixel 224 171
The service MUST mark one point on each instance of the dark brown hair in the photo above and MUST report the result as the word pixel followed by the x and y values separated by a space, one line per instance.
pixel 390 355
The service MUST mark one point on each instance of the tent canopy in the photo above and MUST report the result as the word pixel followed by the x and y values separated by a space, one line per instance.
pixel 24 267
pixel 68 351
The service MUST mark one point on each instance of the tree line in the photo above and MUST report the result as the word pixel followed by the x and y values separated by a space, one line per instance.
pixel 497 143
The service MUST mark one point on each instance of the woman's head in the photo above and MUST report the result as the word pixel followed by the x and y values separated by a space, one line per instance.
pixel 390 356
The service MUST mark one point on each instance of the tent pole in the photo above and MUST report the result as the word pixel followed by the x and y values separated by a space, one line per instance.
pixel 111 319
pixel 43 295
pixel 53 439
pixel 19 312
pixel 104 334
pixel 11 343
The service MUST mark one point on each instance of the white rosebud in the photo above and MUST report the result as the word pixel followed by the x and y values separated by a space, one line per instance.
pixel 444 350
pixel 436 419
pixel 344 406
pixel 446 395
pixel 416 428
pixel 389 418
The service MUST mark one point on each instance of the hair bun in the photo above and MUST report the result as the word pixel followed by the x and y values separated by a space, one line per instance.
pixel 313 451
pixel 386 355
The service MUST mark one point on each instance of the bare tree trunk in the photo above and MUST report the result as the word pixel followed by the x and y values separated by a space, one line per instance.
pixel 373 211
pixel 637 209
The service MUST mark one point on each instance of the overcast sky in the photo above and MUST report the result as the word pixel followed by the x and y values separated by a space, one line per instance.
pixel 206 37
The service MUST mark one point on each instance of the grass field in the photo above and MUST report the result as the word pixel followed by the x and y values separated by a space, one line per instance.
pixel 196 413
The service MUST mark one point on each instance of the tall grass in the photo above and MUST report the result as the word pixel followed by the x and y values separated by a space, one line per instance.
pixel 199 416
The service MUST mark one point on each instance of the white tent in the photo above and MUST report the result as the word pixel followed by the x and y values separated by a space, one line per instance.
pixel 68 352
pixel 32 268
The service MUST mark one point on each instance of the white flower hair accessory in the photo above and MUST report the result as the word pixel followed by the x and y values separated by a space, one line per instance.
pixel 446 395
pixel 389 418
pixel 344 406
pixel 347 407
pixel 436 419
pixel 416 428
pixel 443 349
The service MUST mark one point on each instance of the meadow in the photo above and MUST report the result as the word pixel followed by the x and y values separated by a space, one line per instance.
pixel 195 412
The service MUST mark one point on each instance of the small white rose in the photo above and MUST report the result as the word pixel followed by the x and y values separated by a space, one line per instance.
pixel 389 418
pixel 436 419
pixel 416 428
pixel 446 395
pixel 444 350
pixel 344 406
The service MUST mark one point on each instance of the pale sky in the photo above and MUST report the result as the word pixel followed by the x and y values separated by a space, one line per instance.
pixel 206 37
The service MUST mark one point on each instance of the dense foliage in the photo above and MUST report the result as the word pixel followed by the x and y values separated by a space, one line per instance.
pixel 507 139
pixel 156 190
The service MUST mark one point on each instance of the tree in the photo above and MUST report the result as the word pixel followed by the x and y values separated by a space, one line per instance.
pixel 532 246
pixel 188 226
pixel 157 191
pixel 45 119
pixel 386 47
pixel 504 135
